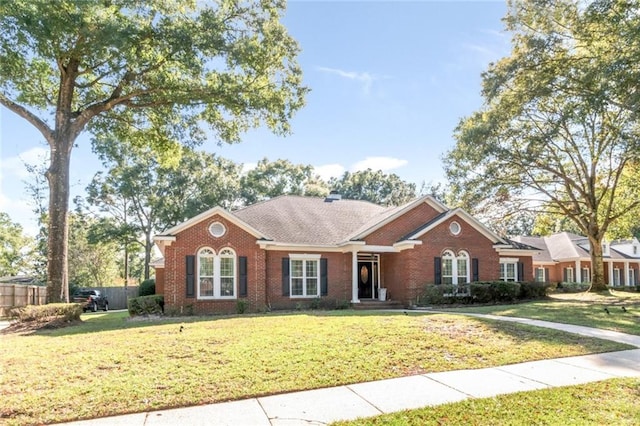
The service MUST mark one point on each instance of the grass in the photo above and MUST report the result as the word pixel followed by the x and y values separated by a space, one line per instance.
pixel 108 366
pixel 585 309
pixel 611 402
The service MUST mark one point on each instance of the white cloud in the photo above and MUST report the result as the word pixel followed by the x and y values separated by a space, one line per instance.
pixel 15 166
pixel 13 200
pixel 365 78
pixel 328 171
pixel 247 167
pixel 378 163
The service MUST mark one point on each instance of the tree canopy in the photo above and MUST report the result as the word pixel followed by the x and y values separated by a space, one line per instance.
pixel 149 72
pixel 374 186
pixel 556 134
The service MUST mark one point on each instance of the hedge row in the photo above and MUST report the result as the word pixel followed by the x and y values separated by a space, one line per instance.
pixel 482 292
pixel 64 311
pixel 146 305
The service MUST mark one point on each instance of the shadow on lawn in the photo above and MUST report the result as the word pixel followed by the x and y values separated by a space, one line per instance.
pixel 112 321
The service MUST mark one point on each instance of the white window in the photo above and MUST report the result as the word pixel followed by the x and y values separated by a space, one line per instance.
pixel 216 274
pixel 632 277
pixel 217 229
pixel 568 275
pixel 508 269
pixel 304 278
pixel 616 276
pixel 541 275
pixel 455 269
pixel 586 275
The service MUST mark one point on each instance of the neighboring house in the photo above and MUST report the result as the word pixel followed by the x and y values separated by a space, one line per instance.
pixel 565 257
pixel 291 250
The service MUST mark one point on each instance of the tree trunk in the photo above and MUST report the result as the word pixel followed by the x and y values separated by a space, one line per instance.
pixel 598 282
pixel 58 241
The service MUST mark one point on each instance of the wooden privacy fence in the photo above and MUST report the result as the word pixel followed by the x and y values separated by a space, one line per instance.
pixel 118 296
pixel 13 295
pixel 16 295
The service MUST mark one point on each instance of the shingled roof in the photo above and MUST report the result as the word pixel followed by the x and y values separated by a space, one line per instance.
pixel 309 220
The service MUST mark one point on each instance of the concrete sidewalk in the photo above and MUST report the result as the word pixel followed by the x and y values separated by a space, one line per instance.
pixel 322 406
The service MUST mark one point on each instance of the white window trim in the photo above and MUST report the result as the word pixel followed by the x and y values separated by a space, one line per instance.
pixel 617 281
pixel 216 275
pixel 304 258
pixel 631 279
pixel 586 275
pixel 544 274
pixel 455 277
pixel 503 269
pixel 570 274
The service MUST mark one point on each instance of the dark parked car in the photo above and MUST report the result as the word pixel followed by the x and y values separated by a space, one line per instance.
pixel 91 300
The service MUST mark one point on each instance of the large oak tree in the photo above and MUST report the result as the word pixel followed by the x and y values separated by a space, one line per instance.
pixel 559 127
pixel 162 67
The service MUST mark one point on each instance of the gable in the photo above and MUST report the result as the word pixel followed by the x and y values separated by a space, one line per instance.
pixel 461 216
pixel 392 231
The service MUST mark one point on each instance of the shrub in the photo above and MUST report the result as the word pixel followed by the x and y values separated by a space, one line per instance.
pixel 147 287
pixel 146 305
pixel 482 292
pixel 63 311
pixel 505 291
pixel 342 304
pixel 241 306
pixel 533 290
pixel 442 294
pixel 571 287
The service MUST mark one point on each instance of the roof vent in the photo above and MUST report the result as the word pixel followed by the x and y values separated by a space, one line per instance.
pixel 333 196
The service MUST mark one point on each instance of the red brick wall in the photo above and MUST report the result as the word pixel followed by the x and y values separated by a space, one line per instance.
pixel 398 228
pixel 192 239
pixel 406 273
pixel 338 279
pixel 159 280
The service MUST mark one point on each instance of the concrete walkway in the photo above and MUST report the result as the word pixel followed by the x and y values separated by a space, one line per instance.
pixel 322 406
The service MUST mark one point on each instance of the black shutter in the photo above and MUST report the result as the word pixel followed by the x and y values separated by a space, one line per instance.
pixel 191 269
pixel 521 271
pixel 564 275
pixel 437 270
pixel 324 285
pixel 475 270
pixel 285 276
pixel 546 275
pixel 242 265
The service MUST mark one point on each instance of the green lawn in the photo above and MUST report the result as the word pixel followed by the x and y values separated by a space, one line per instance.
pixel 611 402
pixel 108 365
pixel 580 309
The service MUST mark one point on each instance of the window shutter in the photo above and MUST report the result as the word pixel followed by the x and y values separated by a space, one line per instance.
pixel 564 275
pixel 437 269
pixel 191 267
pixel 242 265
pixel 546 275
pixel 475 270
pixel 324 284
pixel 285 276
pixel 521 272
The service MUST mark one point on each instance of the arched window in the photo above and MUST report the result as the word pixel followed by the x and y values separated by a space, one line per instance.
pixel 216 274
pixel 455 268
pixel 206 261
pixel 227 273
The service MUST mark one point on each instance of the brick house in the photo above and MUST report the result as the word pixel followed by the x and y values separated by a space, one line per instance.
pixel 291 251
pixel 565 257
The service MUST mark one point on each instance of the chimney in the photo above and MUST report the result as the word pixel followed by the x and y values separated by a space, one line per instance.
pixel 333 196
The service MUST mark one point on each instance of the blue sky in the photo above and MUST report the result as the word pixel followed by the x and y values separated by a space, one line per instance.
pixel 389 82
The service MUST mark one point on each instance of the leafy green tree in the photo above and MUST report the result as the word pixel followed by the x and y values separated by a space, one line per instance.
pixel 14 246
pixel 135 68
pixel 91 263
pixel 281 177
pixel 376 187
pixel 141 196
pixel 554 135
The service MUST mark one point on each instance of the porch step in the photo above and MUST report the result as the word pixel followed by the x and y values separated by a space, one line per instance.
pixel 377 304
